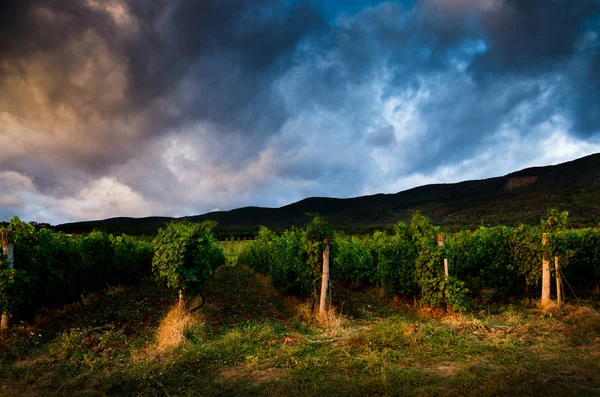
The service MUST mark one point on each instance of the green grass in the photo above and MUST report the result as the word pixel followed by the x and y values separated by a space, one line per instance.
pixel 249 340
pixel 232 248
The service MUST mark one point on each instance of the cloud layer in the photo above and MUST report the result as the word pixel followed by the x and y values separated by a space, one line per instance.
pixel 131 108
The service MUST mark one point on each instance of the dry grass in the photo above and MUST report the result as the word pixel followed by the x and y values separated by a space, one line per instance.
pixel 331 320
pixel 582 313
pixel 170 332
pixel 549 308
pixel 47 316
pixel 462 322
pixel 300 309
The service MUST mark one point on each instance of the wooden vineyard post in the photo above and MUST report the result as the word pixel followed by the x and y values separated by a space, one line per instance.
pixel 558 281
pixel 446 267
pixel 324 280
pixel 8 250
pixel 545 276
pixel 441 241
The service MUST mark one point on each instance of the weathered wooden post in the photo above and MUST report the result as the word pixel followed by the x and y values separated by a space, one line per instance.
pixel 324 280
pixel 545 276
pixel 8 250
pixel 441 241
pixel 558 281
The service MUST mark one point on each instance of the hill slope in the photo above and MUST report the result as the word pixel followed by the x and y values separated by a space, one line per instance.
pixel 520 197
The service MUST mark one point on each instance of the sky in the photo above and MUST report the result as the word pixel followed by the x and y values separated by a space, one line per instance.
pixel 180 107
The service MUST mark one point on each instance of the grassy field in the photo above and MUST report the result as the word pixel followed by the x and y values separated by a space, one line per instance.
pixel 232 248
pixel 250 340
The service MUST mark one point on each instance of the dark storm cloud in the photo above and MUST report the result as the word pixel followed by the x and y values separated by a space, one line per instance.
pixel 183 62
pixel 532 36
pixel 538 38
pixel 217 102
pixel 468 126
pixel 28 26
pixel 584 92
pixel 254 38
pixel 515 52
pixel 226 53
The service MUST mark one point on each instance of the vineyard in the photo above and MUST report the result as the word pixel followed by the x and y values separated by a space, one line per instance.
pixel 401 325
pixel 487 265
pixel 53 269
pixel 491 264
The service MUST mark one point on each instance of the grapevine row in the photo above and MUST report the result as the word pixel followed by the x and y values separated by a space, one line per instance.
pixel 495 263
pixel 52 269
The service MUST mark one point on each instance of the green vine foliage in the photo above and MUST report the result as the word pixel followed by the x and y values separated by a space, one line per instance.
pixel 11 285
pixel 457 294
pixel 527 252
pixel 284 258
pixel 257 254
pixel 435 288
pixel 53 269
pixel 395 257
pixel 495 262
pixel 384 259
pixel 354 260
pixel 583 250
pixel 289 267
pixel 555 226
pixel 483 259
pixel 132 259
pixel 293 259
pixel 185 255
pixel 317 231
pixel 503 260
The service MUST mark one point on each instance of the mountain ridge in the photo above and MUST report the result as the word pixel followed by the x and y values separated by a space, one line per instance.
pixel 522 196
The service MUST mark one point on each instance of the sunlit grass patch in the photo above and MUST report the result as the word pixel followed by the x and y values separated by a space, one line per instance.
pixel 170 332
pixel 250 340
